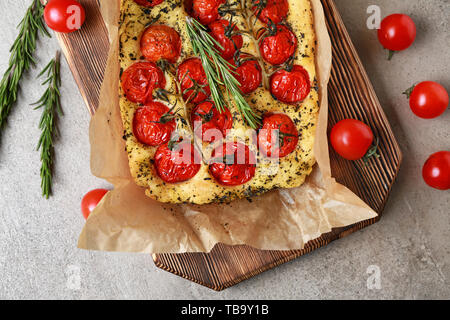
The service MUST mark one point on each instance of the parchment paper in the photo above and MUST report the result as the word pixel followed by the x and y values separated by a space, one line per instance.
pixel 126 220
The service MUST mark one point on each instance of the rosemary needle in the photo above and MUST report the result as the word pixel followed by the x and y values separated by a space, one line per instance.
pixel 50 103
pixel 218 71
pixel 21 58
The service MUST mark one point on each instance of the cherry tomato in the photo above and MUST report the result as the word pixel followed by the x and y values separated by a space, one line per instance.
pixel 206 11
pixel 91 200
pixel 177 162
pixel 292 86
pixel 223 33
pixel 232 164
pixel 273 10
pixel 351 139
pixel 189 71
pixel 153 124
pixel 278 45
pixel 248 74
pixel 139 81
pixel 428 100
pixel 436 170
pixel 161 42
pixel 149 3
pixel 397 32
pixel 64 15
pixel 210 120
pixel 281 128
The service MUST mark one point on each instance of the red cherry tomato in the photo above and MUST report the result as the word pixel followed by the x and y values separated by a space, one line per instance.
pixel 153 124
pixel 281 128
pixel 149 3
pixel 232 164
pixel 223 33
pixel 64 15
pixel 275 10
pixel 436 171
pixel 397 32
pixel 91 200
pixel 139 81
pixel 161 42
pixel 177 162
pixel 192 70
pixel 292 86
pixel 428 100
pixel 278 45
pixel 248 74
pixel 351 139
pixel 206 11
pixel 210 120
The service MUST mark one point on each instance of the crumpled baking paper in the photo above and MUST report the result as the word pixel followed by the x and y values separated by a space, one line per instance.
pixel 128 221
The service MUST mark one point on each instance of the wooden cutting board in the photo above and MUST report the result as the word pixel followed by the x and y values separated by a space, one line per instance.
pixel 351 95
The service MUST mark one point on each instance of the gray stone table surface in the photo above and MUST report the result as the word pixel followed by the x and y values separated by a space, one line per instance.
pixel 410 246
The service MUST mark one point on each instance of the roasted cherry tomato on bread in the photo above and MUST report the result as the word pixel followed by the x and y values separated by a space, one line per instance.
pixel 177 161
pixel 64 16
pixel 291 86
pixel 209 124
pixel 436 170
pixel 153 124
pixel 206 11
pixel 248 74
pixel 271 10
pixel 139 81
pixel 278 136
pixel 161 42
pixel 224 33
pixel 91 200
pixel 193 80
pixel 428 99
pixel 397 32
pixel 278 44
pixel 149 3
pixel 351 139
pixel 232 164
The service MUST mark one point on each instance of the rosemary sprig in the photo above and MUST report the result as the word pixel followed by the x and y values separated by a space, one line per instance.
pixel 21 57
pixel 50 103
pixel 218 72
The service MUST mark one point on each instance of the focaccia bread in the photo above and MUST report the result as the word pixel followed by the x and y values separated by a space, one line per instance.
pixel 153 117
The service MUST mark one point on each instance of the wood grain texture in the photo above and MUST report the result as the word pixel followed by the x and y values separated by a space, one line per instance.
pixel 351 95
pixel 86 52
